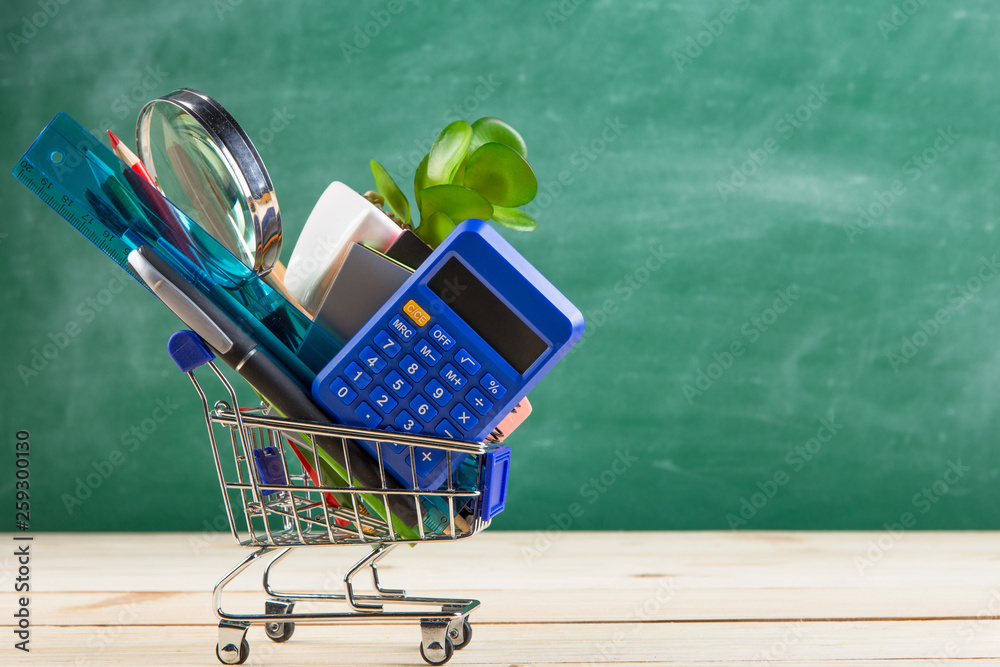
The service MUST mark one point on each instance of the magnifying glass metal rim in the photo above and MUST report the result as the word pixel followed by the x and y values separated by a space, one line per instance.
pixel 242 159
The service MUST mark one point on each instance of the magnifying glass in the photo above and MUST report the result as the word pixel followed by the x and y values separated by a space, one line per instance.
pixel 203 162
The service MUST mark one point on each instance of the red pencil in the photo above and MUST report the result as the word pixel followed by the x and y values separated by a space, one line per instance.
pixel 128 157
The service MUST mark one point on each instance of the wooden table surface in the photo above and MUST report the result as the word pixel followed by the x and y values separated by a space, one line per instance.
pixel 566 598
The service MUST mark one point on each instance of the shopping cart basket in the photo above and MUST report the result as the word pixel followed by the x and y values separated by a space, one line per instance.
pixel 277 500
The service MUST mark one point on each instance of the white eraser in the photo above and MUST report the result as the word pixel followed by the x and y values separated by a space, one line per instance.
pixel 340 218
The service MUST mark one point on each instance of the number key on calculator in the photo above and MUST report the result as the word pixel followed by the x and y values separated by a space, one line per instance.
pixel 451 353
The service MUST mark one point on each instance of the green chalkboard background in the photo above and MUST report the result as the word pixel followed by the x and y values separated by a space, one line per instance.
pixel 780 219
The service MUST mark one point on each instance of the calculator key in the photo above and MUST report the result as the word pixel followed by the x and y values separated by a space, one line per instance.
pixel 447 430
pixel 369 417
pixel 406 422
pixel 342 391
pixel 425 411
pixel 382 399
pixel 427 459
pixel 357 375
pixel 479 402
pixel 465 360
pixel 427 353
pixel 412 368
pixel 372 360
pixel 387 344
pixel 442 337
pixel 437 391
pixel 416 313
pixel 463 417
pixel 394 446
pixel 492 386
pixel 402 328
pixel 399 386
pixel 452 377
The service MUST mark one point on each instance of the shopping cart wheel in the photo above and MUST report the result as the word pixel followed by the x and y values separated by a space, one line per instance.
pixel 226 650
pixel 228 655
pixel 276 630
pixel 461 639
pixel 435 654
pixel 436 647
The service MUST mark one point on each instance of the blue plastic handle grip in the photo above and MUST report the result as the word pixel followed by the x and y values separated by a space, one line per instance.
pixel 188 351
pixel 496 469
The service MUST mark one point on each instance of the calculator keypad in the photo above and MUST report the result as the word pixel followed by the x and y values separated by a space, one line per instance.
pixel 412 375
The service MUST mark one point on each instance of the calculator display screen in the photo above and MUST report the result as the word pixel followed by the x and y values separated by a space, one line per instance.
pixel 488 316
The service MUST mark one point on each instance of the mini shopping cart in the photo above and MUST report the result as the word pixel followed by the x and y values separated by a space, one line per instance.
pixel 276 502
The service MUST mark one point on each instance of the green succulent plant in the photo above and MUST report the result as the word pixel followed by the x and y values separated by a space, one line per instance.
pixel 472 171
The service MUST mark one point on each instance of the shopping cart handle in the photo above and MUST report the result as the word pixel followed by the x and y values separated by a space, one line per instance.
pixel 188 350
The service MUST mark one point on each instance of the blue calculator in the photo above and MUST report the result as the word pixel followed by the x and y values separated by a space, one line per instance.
pixel 451 353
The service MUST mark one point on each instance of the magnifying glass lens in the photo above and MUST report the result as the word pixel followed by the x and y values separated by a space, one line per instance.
pixel 193 173
pixel 205 163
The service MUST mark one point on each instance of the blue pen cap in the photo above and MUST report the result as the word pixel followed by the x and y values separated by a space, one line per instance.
pixel 188 351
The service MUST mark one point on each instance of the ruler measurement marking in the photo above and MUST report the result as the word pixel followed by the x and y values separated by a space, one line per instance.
pixel 84 223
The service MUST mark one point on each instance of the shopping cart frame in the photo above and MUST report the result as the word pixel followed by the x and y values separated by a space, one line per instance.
pixel 444 622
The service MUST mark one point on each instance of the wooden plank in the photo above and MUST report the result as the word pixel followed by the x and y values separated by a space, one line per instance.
pixel 817 643
pixel 153 608
pixel 181 562
pixel 627 598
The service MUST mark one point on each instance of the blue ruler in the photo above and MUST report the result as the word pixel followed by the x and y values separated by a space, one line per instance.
pixel 105 200
pixel 38 171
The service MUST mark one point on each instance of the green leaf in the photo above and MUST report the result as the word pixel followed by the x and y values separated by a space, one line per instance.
pixel 514 218
pixel 448 152
pixel 493 130
pixel 459 176
pixel 434 229
pixel 420 180
pixel 394 197
pixel 501 175
pixel 457 202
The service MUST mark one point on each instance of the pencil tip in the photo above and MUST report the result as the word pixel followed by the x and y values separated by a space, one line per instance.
pixel 114 140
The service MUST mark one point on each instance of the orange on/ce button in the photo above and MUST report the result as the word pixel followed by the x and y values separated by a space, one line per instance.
pixel 416 313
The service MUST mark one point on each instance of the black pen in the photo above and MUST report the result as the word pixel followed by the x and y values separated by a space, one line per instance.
pixel 242 354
